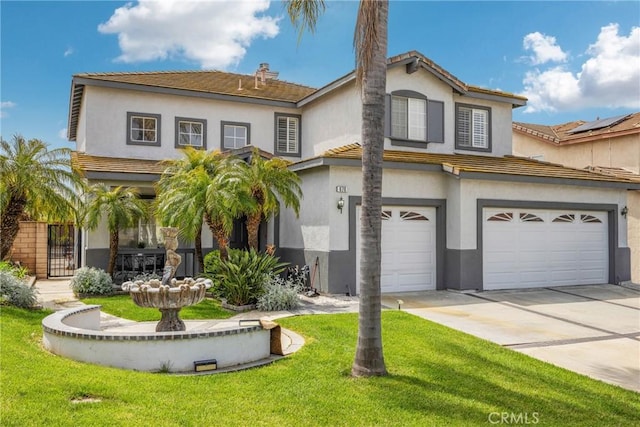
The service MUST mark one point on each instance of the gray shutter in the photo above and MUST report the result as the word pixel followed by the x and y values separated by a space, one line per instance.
pixel 387 116
pixel 435 121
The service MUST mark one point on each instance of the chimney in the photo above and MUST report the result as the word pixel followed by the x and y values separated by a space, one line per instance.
pixel 265 74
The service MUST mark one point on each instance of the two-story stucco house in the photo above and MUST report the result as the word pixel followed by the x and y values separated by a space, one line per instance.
pixel 460 212
pixel 610 145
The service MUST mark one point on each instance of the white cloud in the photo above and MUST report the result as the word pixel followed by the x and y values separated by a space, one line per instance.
pixel 544 48
pixel 69 52
pixel 215 34
pixel 4 105
pixel 610 77
pixel 62 133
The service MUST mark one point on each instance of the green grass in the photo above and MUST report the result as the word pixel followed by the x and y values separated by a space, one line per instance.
pixel 437 377
pixel 123 306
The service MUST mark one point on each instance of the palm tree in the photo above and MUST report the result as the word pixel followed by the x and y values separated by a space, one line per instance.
pixel 370 42
pixel 203 186
pixel 35 182
pixel 122 208
pixel 268 181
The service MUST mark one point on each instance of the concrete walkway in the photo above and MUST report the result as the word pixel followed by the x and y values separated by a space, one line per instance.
pixel 592 330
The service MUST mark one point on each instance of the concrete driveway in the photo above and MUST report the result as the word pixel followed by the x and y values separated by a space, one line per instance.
pixel 592 330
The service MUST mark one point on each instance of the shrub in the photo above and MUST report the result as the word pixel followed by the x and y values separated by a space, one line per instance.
pixel 145 277
pixel 240 279
pixel 15 291
pixel 91 281
pixel 16 270
pixel 280 294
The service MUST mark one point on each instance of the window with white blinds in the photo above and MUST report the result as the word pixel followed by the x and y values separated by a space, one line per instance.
pixel 472 127
pixel 288 135
pixel 409 118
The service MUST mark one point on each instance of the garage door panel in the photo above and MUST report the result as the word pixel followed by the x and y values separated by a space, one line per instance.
pixel 408 249
pixel 534 248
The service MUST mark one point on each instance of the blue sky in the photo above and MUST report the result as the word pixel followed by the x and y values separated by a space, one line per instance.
pixel 573 60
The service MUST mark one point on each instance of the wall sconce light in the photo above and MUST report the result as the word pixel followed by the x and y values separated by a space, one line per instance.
pixel 624 211
pixel 340 204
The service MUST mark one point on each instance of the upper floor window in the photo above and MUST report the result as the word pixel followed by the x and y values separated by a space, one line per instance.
pixel 235 135
pixel 473 127
pixel 287 134
pixel 143 128
pixel 191 133
pixel 409 118
pixel 412 120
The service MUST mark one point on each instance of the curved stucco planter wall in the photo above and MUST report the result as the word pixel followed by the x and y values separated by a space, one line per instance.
pixel 76 333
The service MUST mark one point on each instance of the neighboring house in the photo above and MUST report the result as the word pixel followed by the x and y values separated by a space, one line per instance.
pixel 459 211
pixel 610 146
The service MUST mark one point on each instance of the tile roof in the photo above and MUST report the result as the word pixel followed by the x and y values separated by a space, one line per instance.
pixel 561 134
pixel 88 163
pixel 214 82
pixel 618 172
pixel 461 163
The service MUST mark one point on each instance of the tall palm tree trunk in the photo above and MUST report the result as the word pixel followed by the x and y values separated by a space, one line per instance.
pixel 253 226
pixel 369 359
pixel 114 239
pixel 10 225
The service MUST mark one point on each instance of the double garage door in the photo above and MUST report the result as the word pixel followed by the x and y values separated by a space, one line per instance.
pixel 408 249
pixel 524 248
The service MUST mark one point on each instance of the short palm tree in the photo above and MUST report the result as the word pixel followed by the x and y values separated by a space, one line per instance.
pixel 35 182
pixel 269 181
pixel 120 206
pixel 202 186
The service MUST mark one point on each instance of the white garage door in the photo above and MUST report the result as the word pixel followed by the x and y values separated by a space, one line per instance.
pixel 408 249
pixel 525 248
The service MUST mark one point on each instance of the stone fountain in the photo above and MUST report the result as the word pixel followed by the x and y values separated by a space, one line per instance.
pixel 168 295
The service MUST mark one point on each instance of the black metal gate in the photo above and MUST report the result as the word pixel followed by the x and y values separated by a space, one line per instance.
pixel 61 256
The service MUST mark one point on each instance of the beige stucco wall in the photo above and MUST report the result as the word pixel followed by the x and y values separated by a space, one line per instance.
pixel 622 152
pixel 327 229
pixel 334 120
pixel 106 121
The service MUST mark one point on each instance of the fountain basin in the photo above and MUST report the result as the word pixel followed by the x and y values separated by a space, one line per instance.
pixel 77 333
pixel 168 299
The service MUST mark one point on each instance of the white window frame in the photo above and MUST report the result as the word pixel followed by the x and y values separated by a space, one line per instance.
pixel 473 127
pixel 409 118
pixel 287 134
pixel 190 134
pixel 146 119
pixel 244 141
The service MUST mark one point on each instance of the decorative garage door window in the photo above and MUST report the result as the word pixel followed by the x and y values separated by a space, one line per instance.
pixel 529 217
pixel 565 218
pixel 503 216
pixel 412 216
pixel 589 219
pixel 386 215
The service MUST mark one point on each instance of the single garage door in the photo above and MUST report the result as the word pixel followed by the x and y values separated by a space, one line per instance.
pixel 524 248
pixel 408 249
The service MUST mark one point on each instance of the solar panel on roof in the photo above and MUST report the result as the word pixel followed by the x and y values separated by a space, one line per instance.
pixel 598 124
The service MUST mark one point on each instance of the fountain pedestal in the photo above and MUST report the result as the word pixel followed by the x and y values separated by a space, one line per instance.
pixel 170 320
pixel 168 295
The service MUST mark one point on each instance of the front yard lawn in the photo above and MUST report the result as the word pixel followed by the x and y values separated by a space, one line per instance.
pixel 438 376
